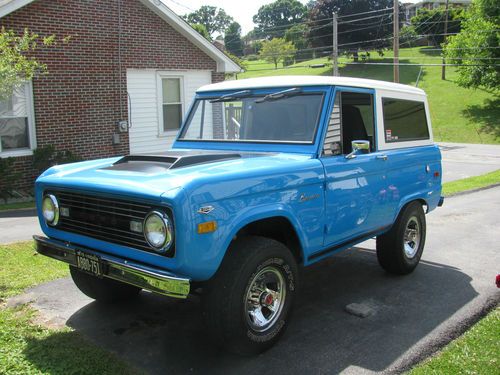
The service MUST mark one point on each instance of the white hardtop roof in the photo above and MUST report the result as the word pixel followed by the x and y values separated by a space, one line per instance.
pixel 292 81
pixel 224 63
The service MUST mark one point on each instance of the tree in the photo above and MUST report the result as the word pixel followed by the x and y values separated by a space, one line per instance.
pixel 408 36
pixel 232 39
pixel 431 22
pixel 276 50
pixel 477 47
pixel 353 35
pixel 201 29
pixel 17 65
pixel 274 19
pixel 297 34
pixel 214 19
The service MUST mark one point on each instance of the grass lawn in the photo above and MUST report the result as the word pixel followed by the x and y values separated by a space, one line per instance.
pixel 458 114
pixel 454 187
pixel 476 352
pixel 28 348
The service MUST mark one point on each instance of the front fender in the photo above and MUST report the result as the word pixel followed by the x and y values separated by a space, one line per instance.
pixel 260 213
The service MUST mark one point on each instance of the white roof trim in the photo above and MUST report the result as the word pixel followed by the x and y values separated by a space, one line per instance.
pixel 9 6
pixel 291 81
pixel 224 63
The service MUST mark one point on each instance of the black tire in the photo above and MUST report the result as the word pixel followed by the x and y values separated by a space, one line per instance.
pixel 103 290
pixel 391 252
pixel 225 297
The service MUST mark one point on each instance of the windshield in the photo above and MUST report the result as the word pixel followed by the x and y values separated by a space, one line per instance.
pixel 272 118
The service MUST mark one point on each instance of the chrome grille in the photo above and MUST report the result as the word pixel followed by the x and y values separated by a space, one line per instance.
pixel 103 218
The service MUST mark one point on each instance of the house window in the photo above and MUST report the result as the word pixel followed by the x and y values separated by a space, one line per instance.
pixel 171 103
pixel 17 123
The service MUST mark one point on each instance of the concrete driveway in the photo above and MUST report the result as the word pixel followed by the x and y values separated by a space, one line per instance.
pixel 413 315
pixel 459 161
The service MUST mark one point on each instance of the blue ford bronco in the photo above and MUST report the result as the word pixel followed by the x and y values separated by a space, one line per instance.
pixel 265 175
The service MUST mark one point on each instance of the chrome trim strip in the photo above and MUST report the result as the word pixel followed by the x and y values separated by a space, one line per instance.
pixel 146 277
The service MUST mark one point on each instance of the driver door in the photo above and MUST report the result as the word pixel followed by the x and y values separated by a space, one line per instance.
pixel 355 186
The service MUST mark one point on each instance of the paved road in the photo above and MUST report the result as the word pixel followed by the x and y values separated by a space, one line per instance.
pixel 459 161
pixel 414 314
pixel 462 160
pixel 18 225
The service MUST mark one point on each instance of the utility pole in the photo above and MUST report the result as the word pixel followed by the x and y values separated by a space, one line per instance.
pixel 335 46
pixel 396 41
pixel 443 68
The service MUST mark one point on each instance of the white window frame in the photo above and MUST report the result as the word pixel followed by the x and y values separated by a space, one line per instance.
pixel 159 89
pixel 28 87
pixel 382 144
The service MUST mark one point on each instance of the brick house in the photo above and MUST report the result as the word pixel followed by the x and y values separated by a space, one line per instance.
pixel 133 62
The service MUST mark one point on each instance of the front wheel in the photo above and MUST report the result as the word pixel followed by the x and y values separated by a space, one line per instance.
pixel 247 304
pixel 399 250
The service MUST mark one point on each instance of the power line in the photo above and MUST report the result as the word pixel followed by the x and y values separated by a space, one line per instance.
pixel 362 19
pixel 368 63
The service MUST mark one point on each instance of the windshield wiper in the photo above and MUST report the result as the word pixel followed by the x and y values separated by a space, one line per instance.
pixel 232 96
pixel 279 95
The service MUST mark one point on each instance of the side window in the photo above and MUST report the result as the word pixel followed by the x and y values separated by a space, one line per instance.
pixel 171 103
pixel 404 120
pixel 352 119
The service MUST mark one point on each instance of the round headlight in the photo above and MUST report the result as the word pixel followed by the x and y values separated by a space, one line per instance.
pixel 50 209
pixel 158 231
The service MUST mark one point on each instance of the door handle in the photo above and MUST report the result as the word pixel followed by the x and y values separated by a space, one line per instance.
pixel 382 157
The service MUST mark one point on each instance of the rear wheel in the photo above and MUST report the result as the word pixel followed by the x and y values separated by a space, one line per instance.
pixel 103 290
pixel 247 304
pixel 399 250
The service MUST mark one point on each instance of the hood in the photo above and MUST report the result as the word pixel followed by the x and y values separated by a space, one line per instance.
pixel 155 174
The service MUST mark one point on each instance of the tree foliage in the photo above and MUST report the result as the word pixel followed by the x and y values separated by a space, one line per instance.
pixel 477 46
pixel 214 19
pixel 431 22
pixel 277 50
pixel 232 39
pixel 202 30
pixel 297 34
pixel 273 19
pixel 17 65
pixel 353 34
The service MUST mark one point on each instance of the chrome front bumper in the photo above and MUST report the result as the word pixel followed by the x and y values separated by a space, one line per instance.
pixel 145 277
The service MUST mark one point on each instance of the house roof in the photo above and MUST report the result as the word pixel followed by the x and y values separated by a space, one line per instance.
pixel 224 63
pixel 292 81
pixel 441 2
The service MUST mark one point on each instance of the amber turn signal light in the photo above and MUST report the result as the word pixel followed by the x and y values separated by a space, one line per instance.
pixel 207 227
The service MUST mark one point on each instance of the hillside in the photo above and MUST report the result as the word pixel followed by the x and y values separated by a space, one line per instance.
pixel 458 114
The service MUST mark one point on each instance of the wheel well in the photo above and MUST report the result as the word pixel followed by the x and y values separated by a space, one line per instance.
pixel 278 228
pixel 422 202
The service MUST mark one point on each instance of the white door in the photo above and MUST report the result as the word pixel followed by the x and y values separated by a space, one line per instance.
pixel 158 103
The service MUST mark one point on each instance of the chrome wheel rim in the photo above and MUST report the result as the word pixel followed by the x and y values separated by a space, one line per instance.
pixel 411 240
pixel 265 299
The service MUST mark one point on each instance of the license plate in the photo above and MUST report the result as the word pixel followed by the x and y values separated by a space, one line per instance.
pixel 89 263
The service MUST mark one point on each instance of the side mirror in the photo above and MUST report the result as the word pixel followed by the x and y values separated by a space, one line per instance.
pixel 358 146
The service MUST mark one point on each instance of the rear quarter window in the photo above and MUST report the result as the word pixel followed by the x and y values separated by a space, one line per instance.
pixel 404 120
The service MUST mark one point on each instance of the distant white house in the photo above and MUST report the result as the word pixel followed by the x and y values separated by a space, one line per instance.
pixel 411 9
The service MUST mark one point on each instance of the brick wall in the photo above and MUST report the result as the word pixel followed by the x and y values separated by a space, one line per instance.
pixel 79 102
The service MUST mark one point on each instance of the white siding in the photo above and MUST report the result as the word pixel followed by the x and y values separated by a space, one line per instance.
pixel 145 98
